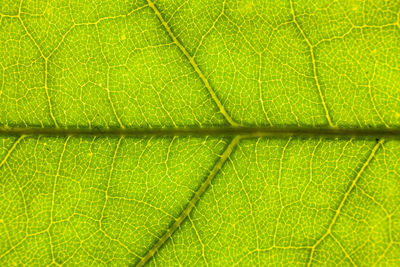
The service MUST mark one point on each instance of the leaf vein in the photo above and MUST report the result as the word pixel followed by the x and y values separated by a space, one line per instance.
pixel 192 203
pixel 193 63
pixel 248 132
pixel 344 199
pixel 328 117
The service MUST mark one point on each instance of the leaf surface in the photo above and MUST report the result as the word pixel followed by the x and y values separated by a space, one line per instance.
pixel 139 133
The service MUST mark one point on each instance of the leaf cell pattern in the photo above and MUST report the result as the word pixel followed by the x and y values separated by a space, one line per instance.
pixel 217 199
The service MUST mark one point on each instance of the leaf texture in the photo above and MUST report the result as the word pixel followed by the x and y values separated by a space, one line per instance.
pixel 198 133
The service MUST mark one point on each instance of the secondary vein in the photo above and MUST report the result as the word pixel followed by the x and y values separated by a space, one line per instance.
pixel 193 63
pixel 192 203
pixel 344 199
pixel 314 64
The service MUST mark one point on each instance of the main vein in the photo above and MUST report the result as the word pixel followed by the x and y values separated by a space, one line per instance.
pixel 192 203
pixel 393 133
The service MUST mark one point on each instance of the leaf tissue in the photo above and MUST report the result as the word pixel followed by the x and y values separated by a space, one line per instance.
pixel 200 132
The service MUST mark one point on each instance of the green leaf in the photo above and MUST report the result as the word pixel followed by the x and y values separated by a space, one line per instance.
pixel 199 132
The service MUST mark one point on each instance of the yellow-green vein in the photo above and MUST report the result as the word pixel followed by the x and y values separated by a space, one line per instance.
pixel 328 117
pixel 193 63
pixel 192 203
pixel 344 199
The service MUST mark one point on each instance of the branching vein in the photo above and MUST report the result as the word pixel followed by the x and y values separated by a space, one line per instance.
pixel 328 117
pixel 194 64
pixel 192 203
pixel 344 199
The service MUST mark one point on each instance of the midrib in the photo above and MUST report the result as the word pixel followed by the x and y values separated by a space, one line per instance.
pixel 393 133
